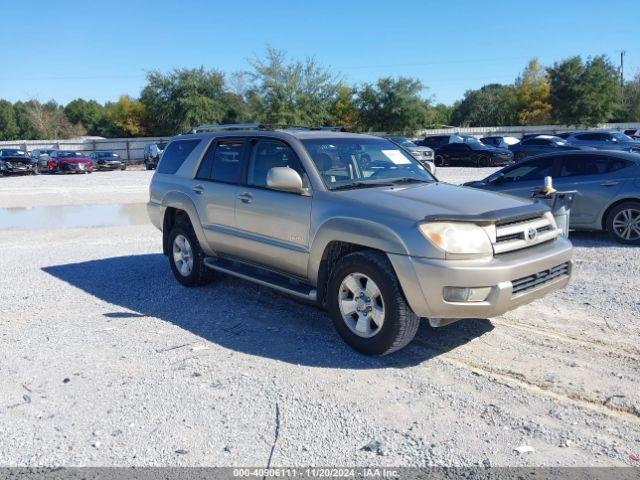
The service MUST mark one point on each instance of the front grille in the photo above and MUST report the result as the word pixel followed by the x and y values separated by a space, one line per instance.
pixel 17 165
pixel 524 284
pixel 522 233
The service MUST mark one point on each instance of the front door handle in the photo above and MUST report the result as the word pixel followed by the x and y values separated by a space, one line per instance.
pixel 610 183
pixel 198 189
pixel 245 197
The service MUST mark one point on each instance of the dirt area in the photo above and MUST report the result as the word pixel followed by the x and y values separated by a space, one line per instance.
pixel 106 360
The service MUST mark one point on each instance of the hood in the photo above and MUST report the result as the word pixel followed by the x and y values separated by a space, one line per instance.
pixel 442 201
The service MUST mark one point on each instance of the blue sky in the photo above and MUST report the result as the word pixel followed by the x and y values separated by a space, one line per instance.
pixel 100 49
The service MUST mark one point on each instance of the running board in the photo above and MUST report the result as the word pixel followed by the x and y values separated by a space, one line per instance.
pixel 262 276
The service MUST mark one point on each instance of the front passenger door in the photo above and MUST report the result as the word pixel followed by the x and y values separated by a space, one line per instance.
pixel 273 225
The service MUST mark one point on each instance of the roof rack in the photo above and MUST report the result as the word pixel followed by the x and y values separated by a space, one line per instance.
pixel 229 126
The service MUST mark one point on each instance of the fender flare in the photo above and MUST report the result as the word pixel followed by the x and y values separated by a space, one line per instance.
pixel 359 232
pixel 181 201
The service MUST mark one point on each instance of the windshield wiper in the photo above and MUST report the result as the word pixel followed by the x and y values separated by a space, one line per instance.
pixel 408 180
pixel 361 184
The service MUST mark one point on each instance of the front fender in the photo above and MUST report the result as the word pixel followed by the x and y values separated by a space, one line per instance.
pixel 181 201
pixel 355 231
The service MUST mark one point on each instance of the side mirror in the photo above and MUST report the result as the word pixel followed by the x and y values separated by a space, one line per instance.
pixel 284 179
pixel 499 178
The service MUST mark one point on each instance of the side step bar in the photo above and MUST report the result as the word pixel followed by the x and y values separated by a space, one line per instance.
pixel 261 276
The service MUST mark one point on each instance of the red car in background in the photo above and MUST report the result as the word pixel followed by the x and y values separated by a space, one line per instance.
pixel 633 133
pixel 65 161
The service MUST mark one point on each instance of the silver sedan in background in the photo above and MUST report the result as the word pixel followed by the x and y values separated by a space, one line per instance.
pixel 607 182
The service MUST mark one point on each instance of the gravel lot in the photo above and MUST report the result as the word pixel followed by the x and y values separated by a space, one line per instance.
pixel 106 360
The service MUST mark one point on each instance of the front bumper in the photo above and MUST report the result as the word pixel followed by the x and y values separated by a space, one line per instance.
pixel 423 280
pixel 17 168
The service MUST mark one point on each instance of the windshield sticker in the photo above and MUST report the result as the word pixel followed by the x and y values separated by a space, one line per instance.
pixel 396 157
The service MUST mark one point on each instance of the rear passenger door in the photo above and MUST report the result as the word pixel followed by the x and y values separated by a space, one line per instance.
pixel 273 225
pixel 215 188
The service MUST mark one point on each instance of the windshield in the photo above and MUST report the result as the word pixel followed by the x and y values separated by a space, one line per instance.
pixel 62 154
pixel 621 137
pixel 14 152
pixel 404 141
pixel 162 146
pixel 356 162
pixel 105 154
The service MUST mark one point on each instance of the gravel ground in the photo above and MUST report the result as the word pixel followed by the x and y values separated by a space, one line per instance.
pixel 106 360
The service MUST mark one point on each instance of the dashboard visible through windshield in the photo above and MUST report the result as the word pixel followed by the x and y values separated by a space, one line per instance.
pixel 355 162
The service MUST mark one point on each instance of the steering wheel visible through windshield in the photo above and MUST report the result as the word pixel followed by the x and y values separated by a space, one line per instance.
pixel 359 162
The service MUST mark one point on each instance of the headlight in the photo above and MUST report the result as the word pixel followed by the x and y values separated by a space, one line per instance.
pixel 459 237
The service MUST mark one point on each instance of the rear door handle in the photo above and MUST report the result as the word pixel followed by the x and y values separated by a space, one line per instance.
pixel 245 197
pixel 610 183
pixel 198 189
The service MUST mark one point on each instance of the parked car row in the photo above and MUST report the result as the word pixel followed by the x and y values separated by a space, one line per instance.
pixel 16 161
pixel 499 150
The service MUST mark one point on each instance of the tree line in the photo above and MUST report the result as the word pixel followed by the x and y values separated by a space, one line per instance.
pixel 279 91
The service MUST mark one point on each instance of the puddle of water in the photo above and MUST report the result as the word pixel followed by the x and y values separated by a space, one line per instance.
pixel 73 216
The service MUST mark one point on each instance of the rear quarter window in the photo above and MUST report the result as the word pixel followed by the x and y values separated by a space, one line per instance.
pixel 175 155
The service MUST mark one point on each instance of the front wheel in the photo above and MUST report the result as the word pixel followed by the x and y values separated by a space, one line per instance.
pixel 439 161
pixel 484 161
pixel 623 223
pixel 367 305
pixel 147 166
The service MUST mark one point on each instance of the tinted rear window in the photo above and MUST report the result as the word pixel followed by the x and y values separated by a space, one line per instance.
pixel 175 155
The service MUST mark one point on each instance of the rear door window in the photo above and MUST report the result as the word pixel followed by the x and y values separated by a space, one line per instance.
pixel 581 165
pixel 175 155
pixel 223 161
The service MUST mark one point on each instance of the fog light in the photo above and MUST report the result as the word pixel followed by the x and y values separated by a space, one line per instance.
pixel 466 294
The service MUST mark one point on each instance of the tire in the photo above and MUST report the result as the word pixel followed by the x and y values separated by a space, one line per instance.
pixel 627 213
pixel 123 168
pixel 483 161
pixel 197 274
pixel 399 324
pixel 438 161
pixel 147 166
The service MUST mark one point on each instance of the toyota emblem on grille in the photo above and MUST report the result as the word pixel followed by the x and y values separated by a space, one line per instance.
pixel 531 234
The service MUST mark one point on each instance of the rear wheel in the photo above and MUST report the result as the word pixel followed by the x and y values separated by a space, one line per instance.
pixel 186 257
pixel 367 306
pixel 623 223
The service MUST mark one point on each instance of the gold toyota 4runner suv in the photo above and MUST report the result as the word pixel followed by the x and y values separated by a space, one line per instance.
pixel 353 223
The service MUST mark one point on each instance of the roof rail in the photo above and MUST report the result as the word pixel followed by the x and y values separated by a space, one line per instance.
pixel 229 126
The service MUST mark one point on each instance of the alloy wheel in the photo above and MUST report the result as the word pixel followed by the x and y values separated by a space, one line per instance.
pixel 626 224
pixel 361 305
pixel 183 255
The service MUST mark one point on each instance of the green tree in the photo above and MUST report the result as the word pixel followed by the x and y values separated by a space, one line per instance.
pixel 344 112
pixel 184 98
pixel 89 114
pixel 491 105
pixel 127 117
pixel 584 93
pixel 534 95
pixel 631 102
pixel 27 130
pixel 440 115
pixel 393 105
pixel 292 92
pixel 8 125
pixel 49 121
